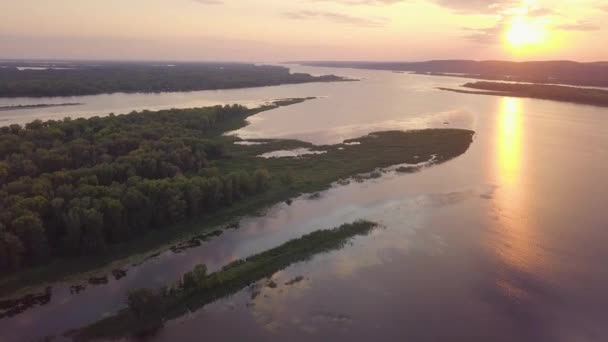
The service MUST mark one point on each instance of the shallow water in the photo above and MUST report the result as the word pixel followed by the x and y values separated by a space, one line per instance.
pixel 504 243
pixel 298 152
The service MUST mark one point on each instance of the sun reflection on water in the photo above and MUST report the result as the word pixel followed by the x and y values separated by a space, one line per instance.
pixel 515 240
pixel 515 243
pixel 509 141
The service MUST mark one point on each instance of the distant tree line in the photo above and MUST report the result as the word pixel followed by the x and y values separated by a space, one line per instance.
pixel 73 187
pixel 554 72
pixel 86 79
pixel 591 96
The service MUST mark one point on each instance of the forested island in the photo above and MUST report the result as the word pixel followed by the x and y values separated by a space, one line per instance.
pixel 593 74
pixel 107 77
pixel 589 96
pixel 94 189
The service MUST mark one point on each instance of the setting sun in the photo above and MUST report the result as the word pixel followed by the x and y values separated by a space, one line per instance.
pixel 522 32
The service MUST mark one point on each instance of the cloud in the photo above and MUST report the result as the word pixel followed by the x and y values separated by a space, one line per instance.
pixel 461 6
pixel 209 2
pixel 334 17
pixel 541 12
pixel 487 36
pixel 579 26
pixel 363 2
pixel 477 6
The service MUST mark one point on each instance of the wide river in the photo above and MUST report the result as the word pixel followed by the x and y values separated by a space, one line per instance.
pixel 507 242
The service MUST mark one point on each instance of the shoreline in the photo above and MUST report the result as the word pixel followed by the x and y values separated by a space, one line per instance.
pixel 309 180
pixel 33 106
pixel 583 96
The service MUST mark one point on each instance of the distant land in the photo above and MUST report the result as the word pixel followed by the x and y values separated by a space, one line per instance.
pixel 42 105
pixel 42 79
pixel 595 97
pixel 558 72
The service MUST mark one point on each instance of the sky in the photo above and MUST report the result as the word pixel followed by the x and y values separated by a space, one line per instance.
pixel 287 30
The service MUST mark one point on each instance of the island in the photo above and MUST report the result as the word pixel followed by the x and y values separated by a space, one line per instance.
pixel 79 193
pixel 82 78
pixel 588 96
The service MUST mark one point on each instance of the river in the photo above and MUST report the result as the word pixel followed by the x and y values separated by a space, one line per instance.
pixel 504 243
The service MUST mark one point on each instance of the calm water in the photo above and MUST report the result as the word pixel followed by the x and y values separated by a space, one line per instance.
pixel 504 243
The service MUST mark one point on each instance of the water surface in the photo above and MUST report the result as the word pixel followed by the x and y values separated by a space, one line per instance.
pixel 504 243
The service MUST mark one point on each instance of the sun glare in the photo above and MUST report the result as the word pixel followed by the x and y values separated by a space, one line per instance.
pixel 525 33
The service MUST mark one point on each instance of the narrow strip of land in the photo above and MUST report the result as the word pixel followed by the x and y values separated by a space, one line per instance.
pixel 42 105
pixel 148 309
pixel 588 96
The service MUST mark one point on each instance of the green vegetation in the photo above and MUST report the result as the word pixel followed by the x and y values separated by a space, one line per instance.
pixel 595 97
pixel 147 309
pixel 73 187
pixel 87 79
pixel 109 188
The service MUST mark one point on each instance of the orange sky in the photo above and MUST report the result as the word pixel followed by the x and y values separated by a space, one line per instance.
pixel 278 30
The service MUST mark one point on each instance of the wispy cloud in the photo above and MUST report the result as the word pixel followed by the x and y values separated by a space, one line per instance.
pixel 541 12
pixel 334 17
pixel 363 2
pixel 579 26
pixel 209 2
pixel 477 6
pixel 461 6
pixel 488 35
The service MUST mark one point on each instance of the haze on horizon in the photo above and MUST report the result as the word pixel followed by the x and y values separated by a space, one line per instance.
pixel 278 30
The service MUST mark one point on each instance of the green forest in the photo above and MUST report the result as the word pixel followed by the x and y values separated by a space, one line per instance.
pixel 88 79
pixel 73 187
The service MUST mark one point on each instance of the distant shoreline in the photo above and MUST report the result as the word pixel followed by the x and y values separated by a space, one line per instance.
pixel 111 78
pixel 43 105
pixel 587 96
pixel 594 74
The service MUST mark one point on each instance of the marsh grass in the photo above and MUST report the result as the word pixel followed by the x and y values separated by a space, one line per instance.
pixel 201 289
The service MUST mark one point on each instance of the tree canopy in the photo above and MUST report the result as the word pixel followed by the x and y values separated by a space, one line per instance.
pixel 100 78
pixel 74 187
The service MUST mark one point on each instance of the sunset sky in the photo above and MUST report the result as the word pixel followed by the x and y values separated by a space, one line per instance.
pixel 278 30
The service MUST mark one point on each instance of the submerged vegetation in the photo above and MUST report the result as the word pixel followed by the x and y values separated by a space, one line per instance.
pixel 589 96
pixel 100 78
pixel 147 309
